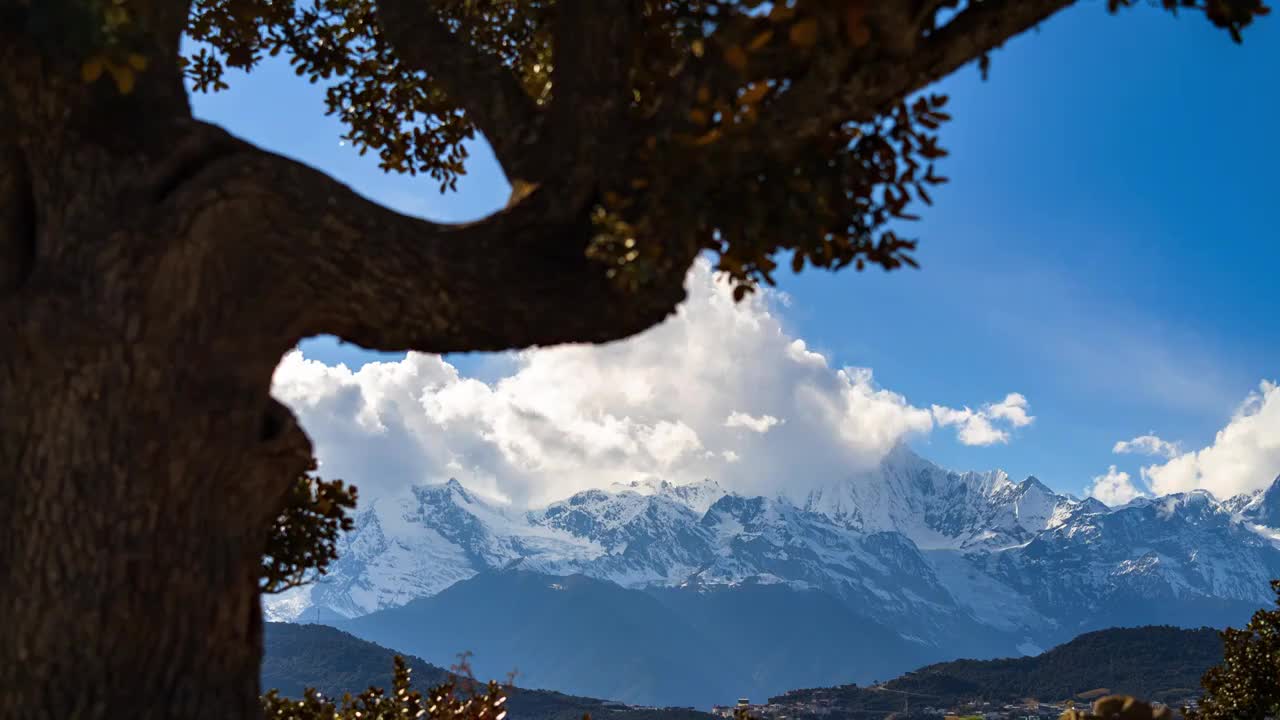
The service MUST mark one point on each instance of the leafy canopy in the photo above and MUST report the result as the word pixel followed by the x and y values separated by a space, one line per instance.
pixel 738 140
pixel 459 699
pixel 1246 685
pixel 304 537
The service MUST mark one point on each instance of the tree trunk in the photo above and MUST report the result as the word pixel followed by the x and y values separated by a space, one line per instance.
pixel 153 271
pixel 128 565
pixel 141 456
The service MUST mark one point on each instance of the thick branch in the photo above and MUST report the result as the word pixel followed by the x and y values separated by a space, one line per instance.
pixel 595 45
pixel 488 90
pixel 345 266
pixel 167 21
pixel 981 28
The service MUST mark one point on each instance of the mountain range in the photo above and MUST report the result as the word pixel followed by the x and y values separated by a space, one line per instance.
pixel 659 593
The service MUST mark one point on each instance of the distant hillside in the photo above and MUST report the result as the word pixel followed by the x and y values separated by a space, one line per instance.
pixel 302 656
pixel 661 647
pixel 1157 663
pixel 334 662
pixel 574 634
pixel 1148 662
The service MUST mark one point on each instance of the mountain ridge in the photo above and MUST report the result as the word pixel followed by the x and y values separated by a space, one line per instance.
pixel 948 560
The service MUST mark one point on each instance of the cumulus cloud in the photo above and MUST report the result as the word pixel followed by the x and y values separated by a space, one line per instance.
pixel 1013 409
pixel 1114 488
pixel 1244 456
pixel 1148 444
pixel 719 390
pixel 754 424
pixel 978 427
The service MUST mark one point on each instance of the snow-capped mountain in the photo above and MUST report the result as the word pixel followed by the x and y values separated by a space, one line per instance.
pixel 946 559
pixel 1262 507
pixel 942 509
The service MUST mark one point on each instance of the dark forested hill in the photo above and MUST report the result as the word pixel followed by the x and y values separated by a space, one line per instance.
pixel 334 662
pixel 1148 662
pixel 1157 663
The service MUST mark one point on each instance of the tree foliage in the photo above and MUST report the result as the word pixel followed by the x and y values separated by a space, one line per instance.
pixel 305 534
pixel 705 159
pixel 461 698
pixel 740 135
pixel 1246 685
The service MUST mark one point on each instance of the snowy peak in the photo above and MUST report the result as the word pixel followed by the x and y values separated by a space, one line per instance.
pixel 614 520
pixel 1261 507
pixel 938 508
pixel 698 496
pixel 927 550
pixel 1092 505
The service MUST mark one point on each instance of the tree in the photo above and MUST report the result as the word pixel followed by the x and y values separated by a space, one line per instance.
pixel 1246 684
pixel 458 699
pixel 304 537
pixel 154 269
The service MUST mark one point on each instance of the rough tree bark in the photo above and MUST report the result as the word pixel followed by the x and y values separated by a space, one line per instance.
pixel 153 270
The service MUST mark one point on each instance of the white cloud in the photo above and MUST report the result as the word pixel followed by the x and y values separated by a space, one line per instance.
pixel 973 428
pixel 754 424
pixel 1148 444
pixel 1114 488
pixel 977 427
pixel 1244 456
pixel 668 403
pixel 1013 408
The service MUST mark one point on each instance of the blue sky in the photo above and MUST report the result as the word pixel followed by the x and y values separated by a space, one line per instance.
pixel 1107 246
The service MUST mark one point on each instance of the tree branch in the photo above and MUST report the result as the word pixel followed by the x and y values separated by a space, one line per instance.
pixel 875 86
pixel 980 28
pixel 343 265
pixel 595 44
pixel 488 90
pixel 167 21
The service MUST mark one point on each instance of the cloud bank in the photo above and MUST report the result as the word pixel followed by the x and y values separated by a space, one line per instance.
pixel 720 390
pixel 1244 456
